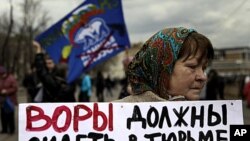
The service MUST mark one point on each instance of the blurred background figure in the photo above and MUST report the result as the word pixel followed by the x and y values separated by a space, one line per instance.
pixel 53 78
pixel 31 83
pixel 100 86
pixel 85 88
pixel 221 87
pixel 246 92
pixel 109 85
pixel 8 100
pixel 243 79
pixel 214 86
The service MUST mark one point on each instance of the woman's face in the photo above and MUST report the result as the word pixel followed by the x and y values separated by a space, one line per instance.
pixel 188 78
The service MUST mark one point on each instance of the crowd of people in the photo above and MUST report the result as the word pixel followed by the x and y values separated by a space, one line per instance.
pixel 170 66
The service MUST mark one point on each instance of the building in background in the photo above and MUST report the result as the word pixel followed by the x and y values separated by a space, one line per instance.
pixel 232 61
pixel 233 67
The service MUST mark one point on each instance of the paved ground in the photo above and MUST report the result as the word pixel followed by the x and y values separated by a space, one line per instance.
pixel 22 99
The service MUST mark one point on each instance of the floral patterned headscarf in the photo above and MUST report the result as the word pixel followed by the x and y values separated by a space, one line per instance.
pixel 151 67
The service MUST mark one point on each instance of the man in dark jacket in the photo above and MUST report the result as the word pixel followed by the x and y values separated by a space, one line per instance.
pixel 53 78
pixel 31 83
pixel 99 87
pixel 212 90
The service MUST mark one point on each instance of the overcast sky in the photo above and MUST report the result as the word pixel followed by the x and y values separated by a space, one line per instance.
pixel 225 22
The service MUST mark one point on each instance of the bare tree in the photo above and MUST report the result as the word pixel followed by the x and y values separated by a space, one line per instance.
pixel 17 33
pixel 5 50
pixel 34 20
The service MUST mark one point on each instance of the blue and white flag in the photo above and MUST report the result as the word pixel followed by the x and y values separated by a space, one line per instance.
pixel 87 36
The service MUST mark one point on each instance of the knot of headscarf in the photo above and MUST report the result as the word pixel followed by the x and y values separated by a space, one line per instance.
pixel 153 64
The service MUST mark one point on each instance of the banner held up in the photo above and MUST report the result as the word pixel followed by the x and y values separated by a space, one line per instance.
pixel 148 121
pixel 87 36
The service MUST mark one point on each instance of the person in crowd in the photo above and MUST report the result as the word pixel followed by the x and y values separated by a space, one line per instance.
pixel 53 78
pixel 8 100
pixel 170 67
pixel 212 86
pixel 109 85
pixel 85 88
pixel 242 83
pixel 246 93
pixel 221 87
pixel 99 86
pixel 31 83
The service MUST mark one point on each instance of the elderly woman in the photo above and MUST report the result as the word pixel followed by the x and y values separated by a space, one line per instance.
pixel 170 66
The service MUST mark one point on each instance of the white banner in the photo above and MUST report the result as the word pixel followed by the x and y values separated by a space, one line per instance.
pixel 149 121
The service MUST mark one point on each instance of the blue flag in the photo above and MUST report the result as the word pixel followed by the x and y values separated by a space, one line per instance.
pixel 87 36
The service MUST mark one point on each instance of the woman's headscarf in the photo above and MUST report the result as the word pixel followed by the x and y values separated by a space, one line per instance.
pixel 151 67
